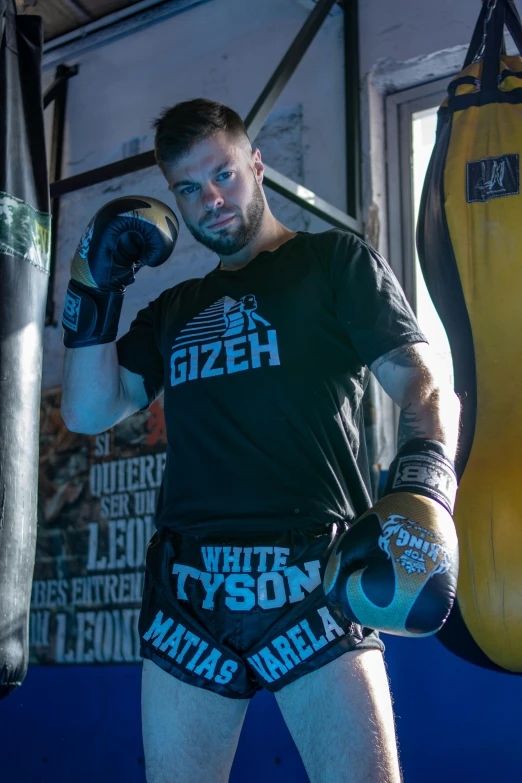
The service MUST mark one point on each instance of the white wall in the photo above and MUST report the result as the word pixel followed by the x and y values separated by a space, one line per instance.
pixel 403 44
pixel 227 50
pixel 400 31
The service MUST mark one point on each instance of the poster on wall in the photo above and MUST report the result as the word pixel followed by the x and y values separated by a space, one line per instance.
pixel 97 497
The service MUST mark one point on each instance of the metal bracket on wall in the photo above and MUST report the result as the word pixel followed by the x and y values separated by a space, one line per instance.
pixel 56 93
pixel 263 106
pixel 309 200
pixel 63 73
pixel 294 191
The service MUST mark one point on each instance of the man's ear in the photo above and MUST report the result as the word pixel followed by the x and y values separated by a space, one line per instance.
pixel 259 167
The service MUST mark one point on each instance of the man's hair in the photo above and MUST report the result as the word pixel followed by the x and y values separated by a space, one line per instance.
pixel 185 124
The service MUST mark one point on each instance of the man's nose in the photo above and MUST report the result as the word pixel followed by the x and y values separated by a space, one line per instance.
pixel 212 198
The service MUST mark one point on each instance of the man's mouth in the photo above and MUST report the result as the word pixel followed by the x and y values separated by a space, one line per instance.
pixel 221 223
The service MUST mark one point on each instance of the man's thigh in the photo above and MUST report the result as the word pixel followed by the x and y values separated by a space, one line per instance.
pixel 189 734
pixel 340 717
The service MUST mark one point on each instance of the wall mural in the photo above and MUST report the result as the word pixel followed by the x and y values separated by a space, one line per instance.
pixel 97 496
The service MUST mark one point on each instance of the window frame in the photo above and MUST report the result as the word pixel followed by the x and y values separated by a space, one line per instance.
pixel 399 110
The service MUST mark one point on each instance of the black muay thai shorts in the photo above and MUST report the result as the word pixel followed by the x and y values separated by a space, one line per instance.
pixel 237 614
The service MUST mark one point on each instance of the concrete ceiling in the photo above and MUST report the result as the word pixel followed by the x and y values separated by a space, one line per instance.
pixel 63 16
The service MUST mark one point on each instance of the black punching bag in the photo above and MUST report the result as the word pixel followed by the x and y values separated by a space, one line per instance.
pixel 24 276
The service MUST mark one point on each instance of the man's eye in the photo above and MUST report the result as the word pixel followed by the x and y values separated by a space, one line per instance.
pixel 225 175
pixel 189 189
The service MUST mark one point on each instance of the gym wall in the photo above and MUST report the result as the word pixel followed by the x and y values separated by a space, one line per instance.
pixel 454 722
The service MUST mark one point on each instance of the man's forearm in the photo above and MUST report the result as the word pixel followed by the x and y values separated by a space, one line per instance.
pixel 433 414
pixel 421 388
pixel 91 388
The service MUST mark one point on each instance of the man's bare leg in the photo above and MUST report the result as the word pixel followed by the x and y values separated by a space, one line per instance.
pixel 341 719
pixel 190 735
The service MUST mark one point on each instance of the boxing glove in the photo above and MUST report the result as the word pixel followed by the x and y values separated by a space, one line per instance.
pixel 395 569
pixel 124 235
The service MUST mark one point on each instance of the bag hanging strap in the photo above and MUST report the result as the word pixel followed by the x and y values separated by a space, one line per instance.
pixel 478 37
pixel 488 41
pixel 494 33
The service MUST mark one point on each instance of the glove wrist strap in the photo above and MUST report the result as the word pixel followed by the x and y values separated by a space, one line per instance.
pixel 90 316
pixel 423 467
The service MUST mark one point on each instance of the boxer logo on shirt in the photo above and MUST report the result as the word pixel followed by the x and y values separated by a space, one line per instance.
pixel 223 339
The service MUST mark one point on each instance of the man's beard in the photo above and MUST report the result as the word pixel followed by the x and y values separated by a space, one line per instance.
pixel 227 241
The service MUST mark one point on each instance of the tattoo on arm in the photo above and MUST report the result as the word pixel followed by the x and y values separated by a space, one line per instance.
pixel 428 406
pixel 410 426
pixel 403 356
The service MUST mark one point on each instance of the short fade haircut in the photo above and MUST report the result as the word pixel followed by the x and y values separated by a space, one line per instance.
pixel 182 126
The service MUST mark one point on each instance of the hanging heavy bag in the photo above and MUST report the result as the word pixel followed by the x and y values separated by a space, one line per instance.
pixel 24 275
pixel 469 241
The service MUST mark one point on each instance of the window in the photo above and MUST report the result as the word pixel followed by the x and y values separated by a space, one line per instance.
pixel 424 125
pixel 411 127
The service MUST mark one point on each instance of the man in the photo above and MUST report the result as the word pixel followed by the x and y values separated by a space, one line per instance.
pixel 263 363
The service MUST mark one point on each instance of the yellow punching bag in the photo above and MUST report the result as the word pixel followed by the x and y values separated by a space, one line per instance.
pixel 469 241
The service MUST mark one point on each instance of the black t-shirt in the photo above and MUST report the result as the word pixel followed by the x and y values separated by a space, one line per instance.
pixel 264 371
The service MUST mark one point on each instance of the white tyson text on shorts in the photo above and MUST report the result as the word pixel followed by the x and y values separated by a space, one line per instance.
pixel 230 568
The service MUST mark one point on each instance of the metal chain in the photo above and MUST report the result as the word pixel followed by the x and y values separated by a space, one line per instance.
pixel 491 5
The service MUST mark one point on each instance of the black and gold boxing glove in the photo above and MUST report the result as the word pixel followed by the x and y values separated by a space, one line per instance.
pixel 395 569
pixel 124 235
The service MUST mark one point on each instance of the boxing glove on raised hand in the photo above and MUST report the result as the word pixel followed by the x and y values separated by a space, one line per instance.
pixel 124 235
pixel 395 569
